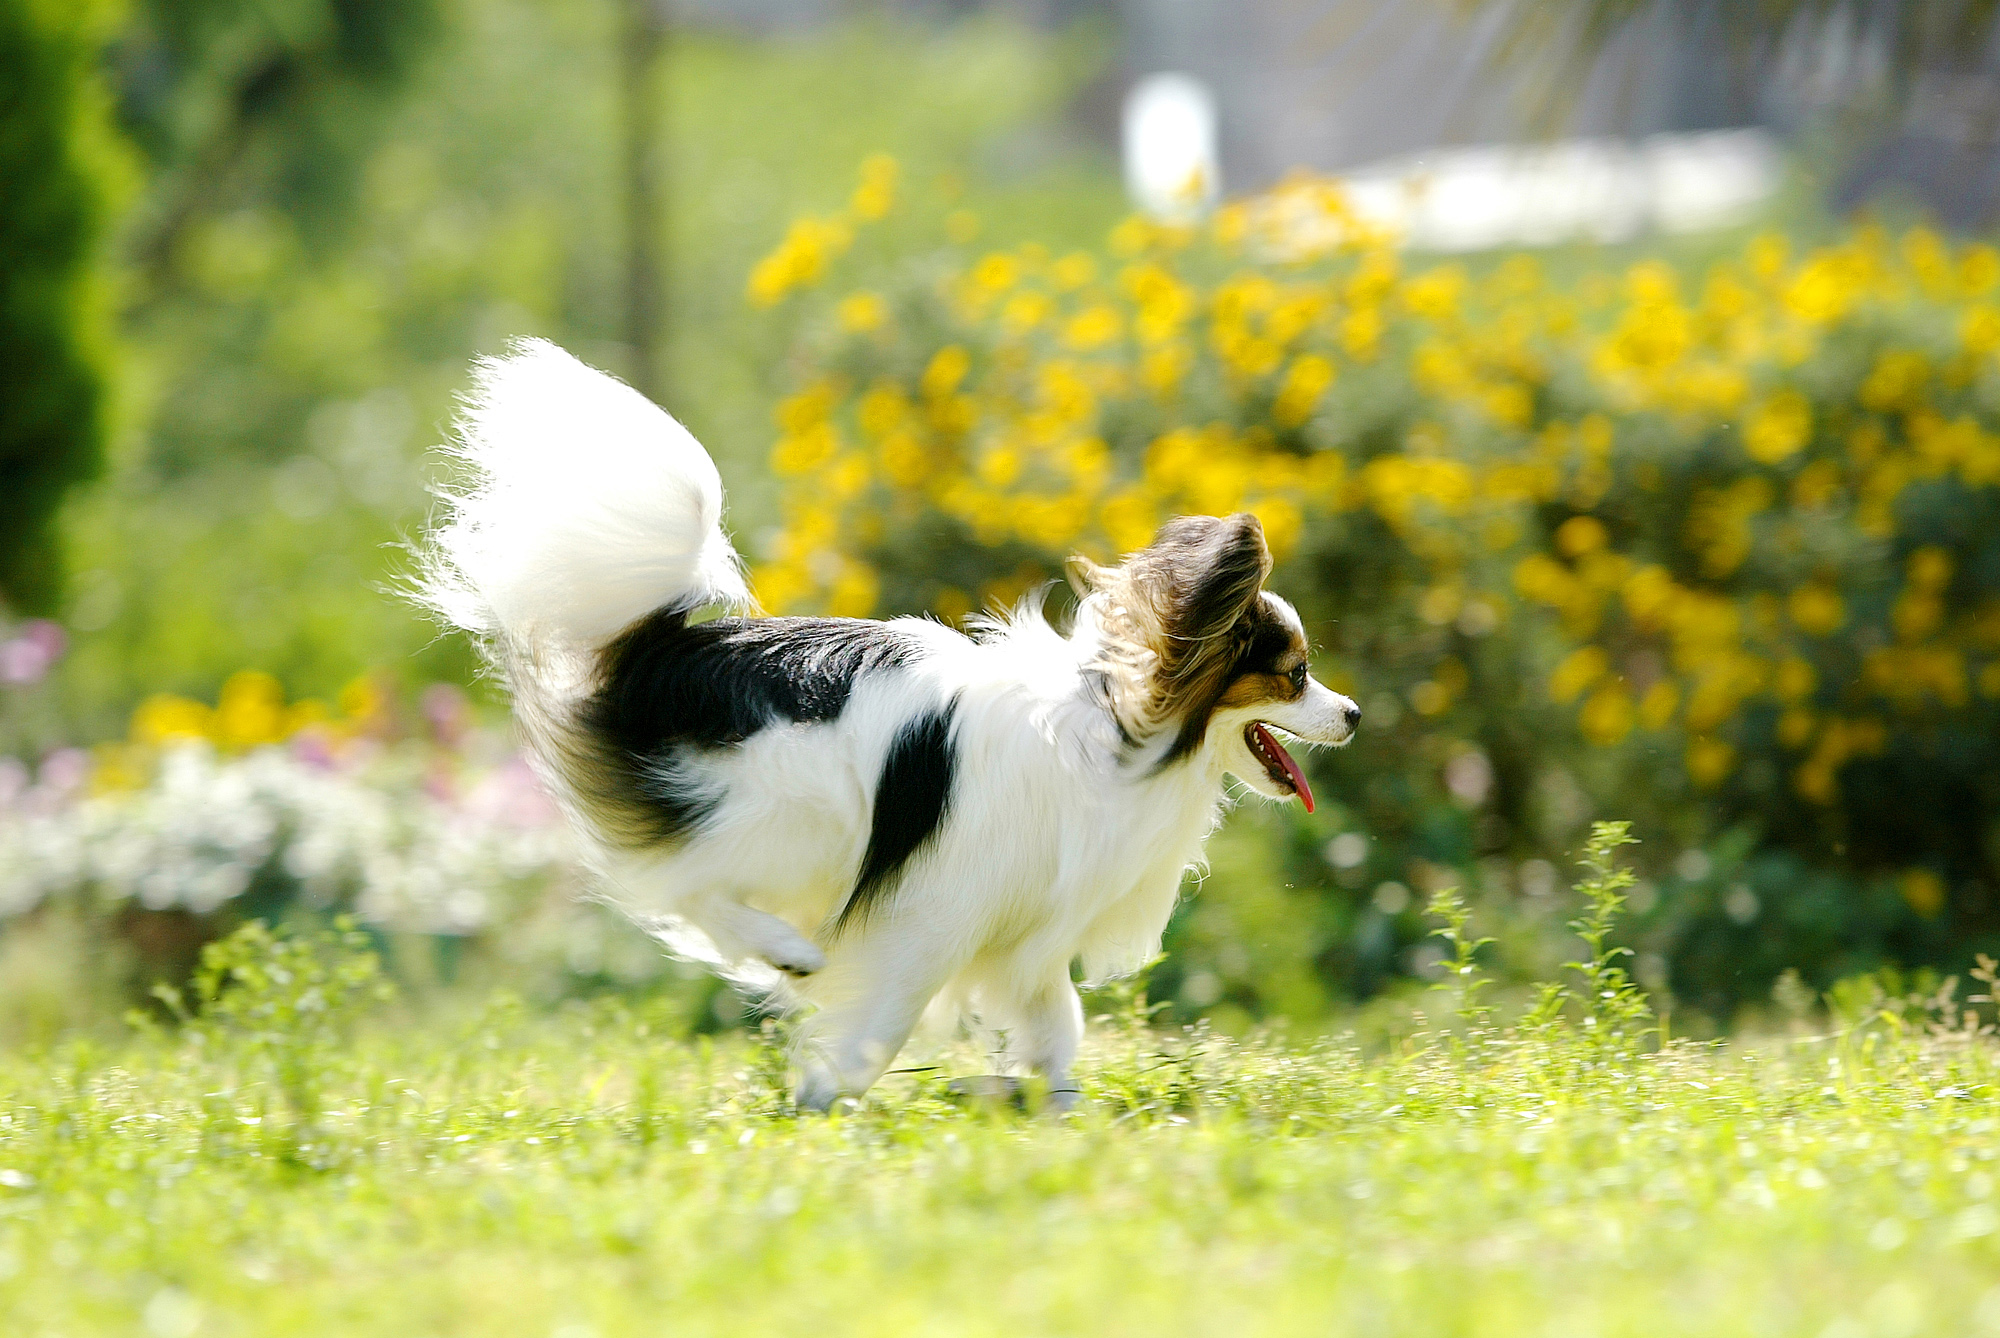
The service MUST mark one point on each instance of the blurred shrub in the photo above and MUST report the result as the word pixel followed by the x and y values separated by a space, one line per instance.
pixel 346 202
pixel 255 807
pixel 62 167
pixel 1720 550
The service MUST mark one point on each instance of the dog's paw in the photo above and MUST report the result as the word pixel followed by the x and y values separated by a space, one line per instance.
pixel 802 961
pixel 1062 1101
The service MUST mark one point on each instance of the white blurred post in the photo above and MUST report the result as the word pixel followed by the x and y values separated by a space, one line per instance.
pixel 1171 168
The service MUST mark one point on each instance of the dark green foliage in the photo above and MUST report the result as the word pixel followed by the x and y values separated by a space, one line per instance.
pixel 235 101
pixel 60 167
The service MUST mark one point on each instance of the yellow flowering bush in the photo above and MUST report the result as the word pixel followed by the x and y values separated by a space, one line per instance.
pixel 1721 548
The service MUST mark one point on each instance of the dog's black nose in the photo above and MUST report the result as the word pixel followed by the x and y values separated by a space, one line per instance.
pixel 1353 716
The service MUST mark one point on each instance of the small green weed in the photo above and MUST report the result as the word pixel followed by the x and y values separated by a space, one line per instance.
pixel 279 1006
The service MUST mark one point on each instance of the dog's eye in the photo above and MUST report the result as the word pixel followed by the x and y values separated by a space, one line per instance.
pixel 1298 677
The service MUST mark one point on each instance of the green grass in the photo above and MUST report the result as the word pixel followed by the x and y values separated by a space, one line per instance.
pixel 285 1162
pixel 584 1176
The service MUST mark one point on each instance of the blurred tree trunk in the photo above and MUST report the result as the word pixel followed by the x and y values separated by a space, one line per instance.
pixel 645 43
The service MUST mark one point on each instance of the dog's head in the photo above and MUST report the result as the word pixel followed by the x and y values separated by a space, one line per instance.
pixel 1194 647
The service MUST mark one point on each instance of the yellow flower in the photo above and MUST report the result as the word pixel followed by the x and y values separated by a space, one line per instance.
pixel 1766 254
pixel 854 592
pixel 803 452
pixel 363 699
pixel 165 718
pixel 1000 466
pixel 1778 428
pixel 1305 381
pixel 1608 716
pixel 904 459
pixel 1435 294
pixel 1580 535
pixel 1979 330
pixel 882 409
pixel 996 273
pixel 1978 270
pixel 1657 707
pixel 1709 762
pixel 1128 520
pixel 1073 271
pixel 1132 236
pixel 1825 288
pixel 1024 311
pixel 1795 727
pixel 1578 672
pixel 1796 679
pixel 118 767
pixel 1917 614
pixel 781 587
pixel 946 369
pixel 1895 382
pixel 1649 594
pixel 1817 609
pixel 1924 891
pixel 863 312
pixel 799 260
pixel 1361 333
pixel 250 711
pixel 1929 568
pixel 808 409
pixel 1162 369
pixel 876 194
pixel 1282 522
pixel 847 476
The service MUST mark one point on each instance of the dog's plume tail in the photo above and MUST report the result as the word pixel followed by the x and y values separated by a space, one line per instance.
pixel 582 508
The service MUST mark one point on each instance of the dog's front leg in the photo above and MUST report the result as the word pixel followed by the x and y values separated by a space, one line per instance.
pixel 741 931
pixel 1047 1029
pixel 868 1001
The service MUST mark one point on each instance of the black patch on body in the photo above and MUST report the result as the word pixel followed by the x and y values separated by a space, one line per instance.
pixel 911 803
pixel 670 690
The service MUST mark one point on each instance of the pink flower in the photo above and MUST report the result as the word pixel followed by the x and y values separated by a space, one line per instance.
pixel 512 796
pixel 65 769
pixel 447 712
pixel 28 657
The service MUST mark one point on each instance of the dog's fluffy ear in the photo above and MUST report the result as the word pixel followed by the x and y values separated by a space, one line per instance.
pixel 1201 573
pixel 1177 603
pixel 1084 575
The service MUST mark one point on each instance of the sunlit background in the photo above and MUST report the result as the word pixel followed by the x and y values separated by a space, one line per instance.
pixel 1616 381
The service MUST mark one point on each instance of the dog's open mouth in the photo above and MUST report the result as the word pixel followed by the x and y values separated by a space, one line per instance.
pixel 1278 763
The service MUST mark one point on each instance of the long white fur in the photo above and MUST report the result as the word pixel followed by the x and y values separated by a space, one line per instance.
pixel 588 506
pixel 593 508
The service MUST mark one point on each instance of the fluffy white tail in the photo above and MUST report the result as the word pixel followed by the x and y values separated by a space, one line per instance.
pixel 586 507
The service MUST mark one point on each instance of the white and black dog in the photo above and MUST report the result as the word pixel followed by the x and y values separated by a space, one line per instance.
pixel 867 819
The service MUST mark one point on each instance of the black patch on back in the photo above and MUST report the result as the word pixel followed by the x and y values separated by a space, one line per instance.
pixel 670 690
pixel 911 803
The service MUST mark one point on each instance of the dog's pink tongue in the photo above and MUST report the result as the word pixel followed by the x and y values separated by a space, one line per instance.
pixel 1291 768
